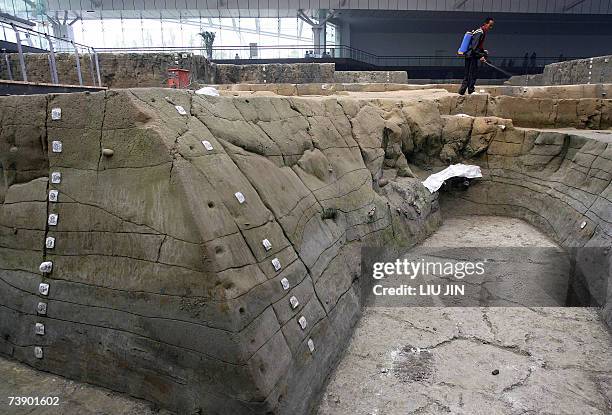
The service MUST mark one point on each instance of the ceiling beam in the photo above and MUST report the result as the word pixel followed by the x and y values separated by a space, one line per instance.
pixel 572 5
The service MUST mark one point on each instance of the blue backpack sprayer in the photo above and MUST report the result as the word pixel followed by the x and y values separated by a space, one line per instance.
pixel 465 43
pixel 465 46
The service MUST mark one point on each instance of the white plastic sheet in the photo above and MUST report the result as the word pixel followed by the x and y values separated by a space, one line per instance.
pixel 434 182
pixel 208 90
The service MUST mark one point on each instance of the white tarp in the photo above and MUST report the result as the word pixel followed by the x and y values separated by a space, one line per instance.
pixel 208 90
pixel 434 182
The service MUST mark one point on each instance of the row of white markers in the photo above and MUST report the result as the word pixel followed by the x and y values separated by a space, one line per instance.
pixel 47 266
pixel 267 245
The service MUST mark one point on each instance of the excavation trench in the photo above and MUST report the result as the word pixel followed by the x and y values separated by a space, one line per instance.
pixel 505 359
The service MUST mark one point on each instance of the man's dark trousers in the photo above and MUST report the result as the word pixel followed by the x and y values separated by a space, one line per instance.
pixel 471 74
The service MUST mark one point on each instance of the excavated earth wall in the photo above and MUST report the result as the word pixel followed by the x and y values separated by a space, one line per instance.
pixel 117 70
pixel 161 285
pixel 603 91
pixel 578 71
pixel 136 70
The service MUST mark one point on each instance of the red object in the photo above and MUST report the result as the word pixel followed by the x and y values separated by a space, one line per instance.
pixel 178 78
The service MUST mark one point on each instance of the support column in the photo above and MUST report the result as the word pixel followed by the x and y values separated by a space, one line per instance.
pixel 318 28
pixel 62 29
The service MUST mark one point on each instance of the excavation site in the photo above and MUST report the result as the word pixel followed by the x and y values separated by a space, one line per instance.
pixel 165 251
pixel 331 207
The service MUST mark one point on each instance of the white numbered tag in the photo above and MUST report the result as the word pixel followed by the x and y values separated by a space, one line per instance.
pixel 50 242
pixel 56 177
pixel 207 145
pixel 43 288
pixel 39 329
pixel 285 284
pixel 38 352
pixel 180 110
pixel 56 114
pixel 56 146
pixel 41 308
pixel 276 263
pixel 53 195
pixel 52 219
pixel 294 302
pixel 46 267
pixel 302 322
pixel 266 244
pixel 311 345
pixel 240 197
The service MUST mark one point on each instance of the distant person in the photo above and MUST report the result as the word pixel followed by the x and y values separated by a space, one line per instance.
pixel 237 57
pixel 561 58
pixel 526 60
pixel 533 60
pixel 476 52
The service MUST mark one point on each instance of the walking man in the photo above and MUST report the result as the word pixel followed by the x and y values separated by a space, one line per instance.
pixel 476 52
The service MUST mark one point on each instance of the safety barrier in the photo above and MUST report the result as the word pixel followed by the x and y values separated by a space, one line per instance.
pixel 44 42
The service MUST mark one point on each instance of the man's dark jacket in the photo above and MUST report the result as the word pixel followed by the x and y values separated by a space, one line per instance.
pixel 476 49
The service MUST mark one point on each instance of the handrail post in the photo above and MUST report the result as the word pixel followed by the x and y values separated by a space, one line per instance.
pixel 24 73
pixel 97 66
pixel 78 63
pixel 54 77
pixel 91 69
pixel 8 64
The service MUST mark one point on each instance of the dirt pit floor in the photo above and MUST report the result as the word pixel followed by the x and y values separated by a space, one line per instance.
pixel 475 360
pixel 57 395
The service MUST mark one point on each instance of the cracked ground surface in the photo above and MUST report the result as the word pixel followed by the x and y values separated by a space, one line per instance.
pixel 433 360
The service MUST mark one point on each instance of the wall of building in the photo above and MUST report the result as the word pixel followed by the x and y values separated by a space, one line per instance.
pixel 499 44
pixel 433 34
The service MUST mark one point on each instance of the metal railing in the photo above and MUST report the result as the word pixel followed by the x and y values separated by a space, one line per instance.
pixel 40 41
pixel 257 52
pixel 241 53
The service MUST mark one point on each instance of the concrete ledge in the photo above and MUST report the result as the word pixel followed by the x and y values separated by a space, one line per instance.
pixel 396 77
